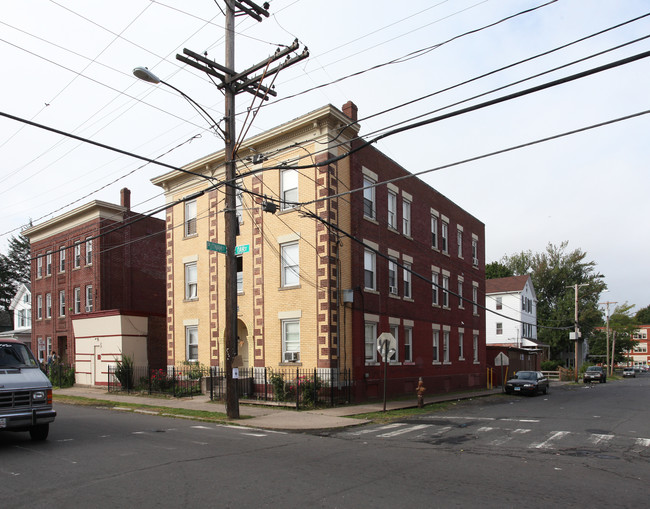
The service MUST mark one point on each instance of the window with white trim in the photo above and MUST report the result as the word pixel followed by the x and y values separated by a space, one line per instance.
pixel 434 231
pixel 239 202
pixel 48 305
pixel 406 217
pixel 475 299
pixel 289 189
pixel 369 206
pixel 445 237
pixel 408 344
pixel 499 328
pixel 369 270
pixel 190 218
pixel 370 341
pixel 240 274
pixel 392 209
pixel 436 345
pixel 445 346
pixel 394 330
pixel 290 340
pixel 460 293
pixel 39 307
pixel 475 347
pixel 48 263
pixel 499 304
pixel 62 303
pixel 89 299
pixel 407 280
pixel 459 242
pixel 192 343
pixel 89 251
pixel 475 252
pixel 77 300
pixel 392 276
pixel 290 254
pixel 434 287
pixel 77 254
pixel 461 340
pixel 191 281
pixel 39 266
pixel 62 259
pixel 445 291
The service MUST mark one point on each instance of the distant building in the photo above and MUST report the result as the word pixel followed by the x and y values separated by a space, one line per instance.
pixel 640 355
pixel 21 306
pixel 511 318
pixel 393 256
pixel 96 258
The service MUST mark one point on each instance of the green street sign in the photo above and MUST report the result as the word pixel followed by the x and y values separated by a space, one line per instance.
pixel 242 249
pixel 219 248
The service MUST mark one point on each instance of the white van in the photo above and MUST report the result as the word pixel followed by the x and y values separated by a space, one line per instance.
pixel 25 391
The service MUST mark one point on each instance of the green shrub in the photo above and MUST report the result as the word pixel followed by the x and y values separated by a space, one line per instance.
pixel 309 389
pixel 550 365
pixel 124 372
pixel 282 390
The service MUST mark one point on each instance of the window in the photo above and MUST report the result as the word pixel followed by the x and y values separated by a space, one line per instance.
pixel 190 218
pixel 475 299
pixel 62 259
pixel 240 274
pixel 289 188
pixel 460 293
pixel 461 339
pixel 48 263
pixel 192 343
pixel 291 340
pixel 191 281
pixel 459 241
pixel 48 305
pixel 89 251
pixel 20 317
pixel 89 299
pixel 523 303
pixel 370 339
pixel 499 328
pixel 445 237
pixel 77 255
pixel 392 277
pixel 39 266
pixel 475 252
pixel 77 300
pixel 445 291
pixel 49 346
pixel 368 198
pixel 407 280
pixel 445 346
pixel 39 307
pixel 290 264
pixel 62 303
pixel 392 210
pixel 408 344
pixel 434 232
pixel 436 346
pixel 499 303
pixel 435 285
pixel 369 270
pixel 475 347
pixel 394 330
pixel 406 217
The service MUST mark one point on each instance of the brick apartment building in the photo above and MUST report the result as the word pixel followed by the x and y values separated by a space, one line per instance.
pixel 97 257
pixel 393 256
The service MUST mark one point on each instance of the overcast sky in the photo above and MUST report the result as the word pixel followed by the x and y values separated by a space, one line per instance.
pixel 68 65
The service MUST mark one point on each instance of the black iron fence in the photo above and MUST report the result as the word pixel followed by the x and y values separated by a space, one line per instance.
pixel 291 387
pixel 61 375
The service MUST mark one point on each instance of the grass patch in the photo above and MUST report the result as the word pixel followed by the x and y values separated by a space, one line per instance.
pixel 405 413
pixel 197 415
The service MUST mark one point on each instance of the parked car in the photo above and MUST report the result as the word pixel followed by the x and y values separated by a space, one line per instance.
pixel 25 391
pixel 595 374
pixel 629 372
pixel 527 382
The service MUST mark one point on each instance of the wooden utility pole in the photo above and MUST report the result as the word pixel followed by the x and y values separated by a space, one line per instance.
pixel 608 368
pixel 233 83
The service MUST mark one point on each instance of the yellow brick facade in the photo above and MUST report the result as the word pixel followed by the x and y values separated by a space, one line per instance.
pixel 264 303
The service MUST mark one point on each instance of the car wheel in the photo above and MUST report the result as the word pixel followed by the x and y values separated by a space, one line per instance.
pixel 39 432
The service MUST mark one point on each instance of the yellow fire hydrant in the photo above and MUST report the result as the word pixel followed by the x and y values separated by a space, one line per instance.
pixel 420 392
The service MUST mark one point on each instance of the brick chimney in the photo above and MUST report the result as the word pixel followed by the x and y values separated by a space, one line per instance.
pixel 125 198
pixel 350 109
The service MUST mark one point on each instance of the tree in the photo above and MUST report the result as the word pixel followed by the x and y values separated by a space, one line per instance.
pixel 7 287
pixel 495 270
pixel 554 273
pixel 14 269
pixel 621 330
pixel 642 316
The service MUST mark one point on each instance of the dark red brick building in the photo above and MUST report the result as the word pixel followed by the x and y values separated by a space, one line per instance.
pixel 97 257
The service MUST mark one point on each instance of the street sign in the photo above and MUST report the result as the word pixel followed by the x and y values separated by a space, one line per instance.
pixel 213 246
pixel 501 360
pixel 385 343
pixel 242 249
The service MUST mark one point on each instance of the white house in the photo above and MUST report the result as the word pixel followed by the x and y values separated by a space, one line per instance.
pixel 511 318
pixel 21 306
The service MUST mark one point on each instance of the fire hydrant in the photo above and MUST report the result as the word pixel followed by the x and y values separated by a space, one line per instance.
pixel 420 391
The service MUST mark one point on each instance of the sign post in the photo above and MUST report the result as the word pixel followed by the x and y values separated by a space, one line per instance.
pixel 502 360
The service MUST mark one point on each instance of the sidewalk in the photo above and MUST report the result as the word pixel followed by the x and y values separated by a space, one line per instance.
pixel 272 417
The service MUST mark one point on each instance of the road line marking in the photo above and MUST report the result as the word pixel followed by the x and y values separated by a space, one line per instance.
pixel 521 431
pixel 546 444
pixel 644 442
pixel 596 438
pixel 441 431
pixel 254 434
pixel 404 430
pixel 485 428
pixel 201 427
pixel 387 426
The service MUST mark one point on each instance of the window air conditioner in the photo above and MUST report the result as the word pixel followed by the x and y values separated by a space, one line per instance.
pixel 89 309
pixel 393 290
pixel 291 356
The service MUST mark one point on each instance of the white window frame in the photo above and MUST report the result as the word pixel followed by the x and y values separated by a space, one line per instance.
pixel 89 251
pixel 461 346
pixel 61 303
pixel 369 202
pixel 445 346
pixel 289 189
pixel 408 290
pixel 499 303
pixel 435 287
pixel 499 328
pixel 370 341
pixel 39 266
pixel 77 300
pixel 406 217
pixel 48 263
pixel 392 276
pixel 459 242
pixel 89 299
pixel 77 254
pixel 436 346
pixel 192 343
pixel 408 344
pixel 392 209
pixel 369 258
pixel 190 219
pixel 445 237
pixel 394 330
pixel 445 291
pixel 39 307
pixel 475 341
pixel 191 281
pixel 460 293
pixel 434 231
pixel 475 252
pixel 291 344
pixel 475 299
pixel 62 259
pixel 48 305
pixel 290 260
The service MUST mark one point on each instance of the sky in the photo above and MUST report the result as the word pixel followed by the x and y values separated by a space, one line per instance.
pixel 67 64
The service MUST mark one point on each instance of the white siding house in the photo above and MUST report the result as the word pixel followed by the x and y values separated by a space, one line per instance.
pixel 21 306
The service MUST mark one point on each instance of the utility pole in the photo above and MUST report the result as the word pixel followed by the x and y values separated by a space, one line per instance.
pixel 233 83
pixel 576 329
pixel 608 368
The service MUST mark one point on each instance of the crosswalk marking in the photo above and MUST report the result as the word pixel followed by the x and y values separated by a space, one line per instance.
pixel 404 430
pixel 599 439
pixel 640 443
pixel 381 428
pixel 547 444
pixel 506 438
